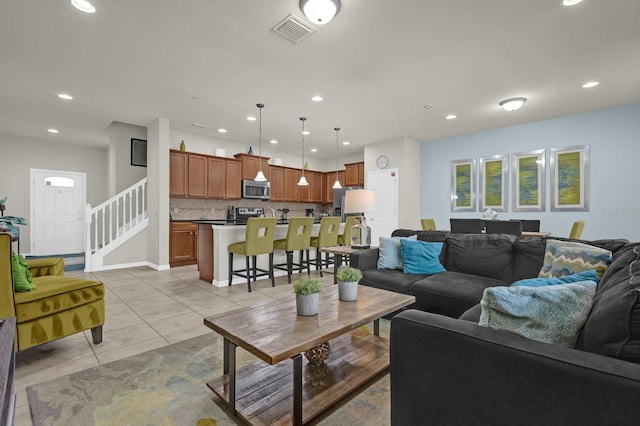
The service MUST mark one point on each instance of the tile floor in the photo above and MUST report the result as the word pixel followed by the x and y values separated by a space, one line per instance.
pixel 145 309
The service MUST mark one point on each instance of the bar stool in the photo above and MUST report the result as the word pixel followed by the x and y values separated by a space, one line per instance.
pixel 258 240
pixel 327 237
pixel 298 238
pixel 344 239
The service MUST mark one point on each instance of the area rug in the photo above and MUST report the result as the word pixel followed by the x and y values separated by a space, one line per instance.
pixel 167 386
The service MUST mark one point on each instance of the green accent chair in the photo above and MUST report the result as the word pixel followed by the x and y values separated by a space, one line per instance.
pixel 259 238
pixel 344 239
pixel 298 239
pixel 327 237
pixel 428 224
pixel 59 306
pixel 576 229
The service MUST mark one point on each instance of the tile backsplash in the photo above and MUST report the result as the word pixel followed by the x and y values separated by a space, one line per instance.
pixel 195 208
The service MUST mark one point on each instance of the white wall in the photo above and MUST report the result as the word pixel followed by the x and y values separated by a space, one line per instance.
pixel 614 139
pixel 19 155
pixel 122 173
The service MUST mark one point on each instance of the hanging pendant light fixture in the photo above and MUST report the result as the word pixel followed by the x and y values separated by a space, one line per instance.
pixel 303 180
pixel 337 185
pixel 260 177
pixel 320 12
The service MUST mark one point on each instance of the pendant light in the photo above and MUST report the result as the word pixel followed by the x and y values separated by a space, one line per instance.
pixel 303 180
pixel 337 185
pixel 260 176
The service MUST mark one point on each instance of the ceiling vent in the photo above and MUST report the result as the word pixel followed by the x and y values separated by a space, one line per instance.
pixel 294 28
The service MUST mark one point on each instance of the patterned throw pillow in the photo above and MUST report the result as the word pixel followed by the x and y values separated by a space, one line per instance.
pixel 550 314
pixel 389 255
pixel 563 258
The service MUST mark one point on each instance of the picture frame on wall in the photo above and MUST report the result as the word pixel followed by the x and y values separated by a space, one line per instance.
pixel 463 185
pixel 494 183
pixel 569 178
pixel 138 152
pixel 528 181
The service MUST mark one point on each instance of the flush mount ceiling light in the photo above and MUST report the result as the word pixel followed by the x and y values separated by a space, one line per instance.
pixel 571 2
pixel 260 177
pixel 512 104
pixel 317 99
pixel 83 6
pixel 320 11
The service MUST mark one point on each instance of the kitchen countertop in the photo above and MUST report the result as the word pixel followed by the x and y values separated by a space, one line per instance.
pixel 225 222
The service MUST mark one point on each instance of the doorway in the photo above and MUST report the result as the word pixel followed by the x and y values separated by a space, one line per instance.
pixel 385 219
pixel 57 212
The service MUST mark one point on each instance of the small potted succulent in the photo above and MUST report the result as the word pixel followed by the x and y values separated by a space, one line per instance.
pixel 348 278
pixel 307 292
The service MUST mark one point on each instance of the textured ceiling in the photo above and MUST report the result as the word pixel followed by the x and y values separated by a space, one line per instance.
pixel 377 65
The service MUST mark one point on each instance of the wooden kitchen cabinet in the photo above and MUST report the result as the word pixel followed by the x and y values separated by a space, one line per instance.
pixel 178 173
pixel 223 178
pixel 250 165
pixel 328 179
pixel 183 243
pixel 315 187
pixel 197 176
pixel 277 183
pixel 354 174
pixel 291 177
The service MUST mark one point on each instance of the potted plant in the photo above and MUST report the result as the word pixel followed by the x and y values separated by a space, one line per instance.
pixel 307 292
pixel 348 278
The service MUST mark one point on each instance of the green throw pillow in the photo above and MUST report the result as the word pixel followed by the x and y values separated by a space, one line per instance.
pixel 21 274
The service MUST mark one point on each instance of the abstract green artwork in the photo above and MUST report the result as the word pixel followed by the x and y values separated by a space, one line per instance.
pixel 569 173
pixel 493 183
pixel 463 185
pixel 528 181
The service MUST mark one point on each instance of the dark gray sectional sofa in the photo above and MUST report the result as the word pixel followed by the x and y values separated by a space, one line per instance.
pixel 447 370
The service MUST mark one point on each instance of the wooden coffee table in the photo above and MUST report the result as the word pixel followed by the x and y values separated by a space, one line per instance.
pixel 339 252
pixel 288 389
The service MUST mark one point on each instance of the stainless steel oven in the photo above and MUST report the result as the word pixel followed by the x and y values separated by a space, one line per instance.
pixel 258 190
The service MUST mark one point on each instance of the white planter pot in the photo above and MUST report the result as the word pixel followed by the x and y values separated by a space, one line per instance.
pixel 348 292
pixel 307 304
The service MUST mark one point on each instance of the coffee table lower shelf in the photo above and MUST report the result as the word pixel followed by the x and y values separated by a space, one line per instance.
pixel 265 392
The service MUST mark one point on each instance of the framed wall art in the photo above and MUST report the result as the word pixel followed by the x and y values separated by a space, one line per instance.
pixel 494 183
pixel 138 152
pixel 528 181
pixel 570 178
pixel 463 185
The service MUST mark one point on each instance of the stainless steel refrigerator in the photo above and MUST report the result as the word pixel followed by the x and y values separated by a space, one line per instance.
pixel 338 202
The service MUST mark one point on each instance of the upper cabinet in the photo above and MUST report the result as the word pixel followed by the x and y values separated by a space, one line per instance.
pixel 223 178
pixel 277 183
pixel 328 179
pixel 178 173
pixel 250 165
pixel 197 176
pixel 354 174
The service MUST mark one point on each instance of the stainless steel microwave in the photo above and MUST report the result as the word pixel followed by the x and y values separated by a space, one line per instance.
pixel 253 189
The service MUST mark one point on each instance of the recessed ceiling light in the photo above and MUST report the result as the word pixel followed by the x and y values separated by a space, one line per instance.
pixel 273 141
pixel 202 126
pixel 306 132
pixel 512 104
pixel 65 96
pixel 317 98
pixel 53 130
pixel 314 150
pixel 251 118
pixel 571 2
pixel 590 84
pixel 451 116
pixel 83 5
pixel 346 143
pixel 222 130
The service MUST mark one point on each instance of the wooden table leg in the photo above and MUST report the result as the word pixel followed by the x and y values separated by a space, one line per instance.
pixel 229 367
pixel 376 327
pixel 337 262
pixel 297 390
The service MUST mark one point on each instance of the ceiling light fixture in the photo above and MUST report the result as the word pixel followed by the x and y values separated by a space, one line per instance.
pixel 53 130
pixel 273 141
pixel 260 177
pixel 251 118
pixel 512 104
pixel 303 180
pixel 346 143
pixel 320 12
pixel 571 2
pixel 451 116
pixel 83 6
pixel 317 99
pixel 590 84
pixel 222 130
pixel 337 185
pixel 65 96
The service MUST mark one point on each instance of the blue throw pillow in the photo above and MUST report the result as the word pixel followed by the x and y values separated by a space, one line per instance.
pixel 389 256
pixel 590 275
pixel 421 257
pixel 552 314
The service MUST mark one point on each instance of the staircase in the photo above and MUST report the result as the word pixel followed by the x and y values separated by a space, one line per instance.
pixel 114 222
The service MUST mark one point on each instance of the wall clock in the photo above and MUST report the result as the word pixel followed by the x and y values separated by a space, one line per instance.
pixel 382 162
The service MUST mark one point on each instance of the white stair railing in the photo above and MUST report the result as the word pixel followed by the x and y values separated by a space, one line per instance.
pixel 113 222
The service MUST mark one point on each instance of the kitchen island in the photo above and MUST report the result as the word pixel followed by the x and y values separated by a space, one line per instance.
pixel 214 236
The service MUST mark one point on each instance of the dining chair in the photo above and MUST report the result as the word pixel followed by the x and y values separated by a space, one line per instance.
pixel 576 229
pixel 466 226
pixel 529 225
pixel 510 227
pixel 428 224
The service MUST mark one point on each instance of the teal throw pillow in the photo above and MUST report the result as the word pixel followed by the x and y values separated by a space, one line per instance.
pixel 550 314
pixel 421 257
pixel 21 275
pixel 589 275
pixel 389 256
pixel 563 258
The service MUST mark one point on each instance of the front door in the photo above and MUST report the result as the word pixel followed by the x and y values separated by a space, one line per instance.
pixel 385 219
pixel 57 211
